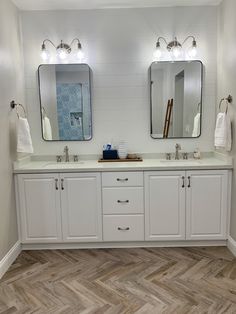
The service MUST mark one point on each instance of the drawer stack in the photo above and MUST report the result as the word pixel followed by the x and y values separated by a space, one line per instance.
pixel 123 206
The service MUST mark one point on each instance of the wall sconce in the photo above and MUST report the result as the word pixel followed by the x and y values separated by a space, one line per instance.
pixel 175 48
pixel 63 50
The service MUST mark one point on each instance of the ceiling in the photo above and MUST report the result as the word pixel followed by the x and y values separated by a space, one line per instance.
pixel 105 4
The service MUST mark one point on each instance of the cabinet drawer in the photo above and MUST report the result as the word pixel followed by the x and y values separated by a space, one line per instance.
pixel 122 179
pixel 123 228
pixel 127 200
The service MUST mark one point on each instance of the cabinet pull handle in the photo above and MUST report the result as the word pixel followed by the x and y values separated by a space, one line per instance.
pixel 122 180
pixel 123 229
pixel 123 202
pixel 189 182
pixel 56 184
pixel 62 184
pixel 183 182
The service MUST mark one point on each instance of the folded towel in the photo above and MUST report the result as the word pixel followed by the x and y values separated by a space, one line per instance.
pixel 229 134
pixel 24 141
pixel 47 130
pixel 223 135
pixel 196 125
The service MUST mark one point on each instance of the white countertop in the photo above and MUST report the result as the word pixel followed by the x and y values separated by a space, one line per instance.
pixel 216 161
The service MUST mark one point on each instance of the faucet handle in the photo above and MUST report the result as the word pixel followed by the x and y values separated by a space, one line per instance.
pixel 185 156
pixel 76 158
pixel 59 158
pixel 168 156
pixel 178 146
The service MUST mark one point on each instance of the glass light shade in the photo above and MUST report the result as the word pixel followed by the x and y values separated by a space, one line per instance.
pixel 80 54
pixel 62 53
pixel 45 55
pixel 192 52
pixel 176 52
pixel 157 54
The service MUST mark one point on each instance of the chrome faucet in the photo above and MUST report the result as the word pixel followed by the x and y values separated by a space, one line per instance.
pixel 177 149
pixel 66 151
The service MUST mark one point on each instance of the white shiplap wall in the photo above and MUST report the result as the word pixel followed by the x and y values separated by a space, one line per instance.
pixel 119 46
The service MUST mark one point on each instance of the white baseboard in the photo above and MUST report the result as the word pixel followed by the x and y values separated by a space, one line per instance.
pixel 231 244
pixel 102 245
pixel 9 258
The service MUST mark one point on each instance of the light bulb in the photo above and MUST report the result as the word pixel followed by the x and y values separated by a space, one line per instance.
pixel 62 53
pixel 80 54
pixel 45 55
pixel 192 52
pixel 157 53
pixel 176 52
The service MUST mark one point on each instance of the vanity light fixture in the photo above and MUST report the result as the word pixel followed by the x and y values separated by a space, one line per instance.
pixel 63 50
pixel 175 48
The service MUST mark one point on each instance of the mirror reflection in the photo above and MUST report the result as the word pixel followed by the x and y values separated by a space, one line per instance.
pixel 176 99
pixel 65 102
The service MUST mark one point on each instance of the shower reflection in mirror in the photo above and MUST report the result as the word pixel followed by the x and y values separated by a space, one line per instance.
pixel 176 99
pixel 65 102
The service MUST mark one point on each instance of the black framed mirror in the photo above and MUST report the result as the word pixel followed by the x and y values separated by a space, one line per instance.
pixel 65 100
pixel 176 99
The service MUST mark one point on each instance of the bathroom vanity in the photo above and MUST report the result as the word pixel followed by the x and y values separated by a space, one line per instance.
pixel 151 203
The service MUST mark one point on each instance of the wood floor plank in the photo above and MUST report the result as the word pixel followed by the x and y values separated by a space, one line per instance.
pixel 121 281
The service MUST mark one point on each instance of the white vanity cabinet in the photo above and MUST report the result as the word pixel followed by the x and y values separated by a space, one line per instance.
pixel 60 207
pixel 207 204
pixel 165 205
pixel 81 207
pixel 39 209
pixel 123 206
pixel 191 205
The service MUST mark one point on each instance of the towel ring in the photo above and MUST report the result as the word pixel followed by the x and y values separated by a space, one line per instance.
pixel 15 106
pixel 228 101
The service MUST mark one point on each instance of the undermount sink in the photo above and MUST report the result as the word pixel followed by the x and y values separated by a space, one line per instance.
pixel 63 164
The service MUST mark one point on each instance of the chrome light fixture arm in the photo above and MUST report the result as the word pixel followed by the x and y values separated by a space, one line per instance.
pixel 193 38
pixel 47 40
pixel 78 42
pixel 158 41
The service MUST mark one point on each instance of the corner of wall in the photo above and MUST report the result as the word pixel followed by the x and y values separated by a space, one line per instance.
pixel 232 245
pixel 9 258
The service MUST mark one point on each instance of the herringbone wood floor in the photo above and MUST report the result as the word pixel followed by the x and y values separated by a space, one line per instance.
pixel 114 281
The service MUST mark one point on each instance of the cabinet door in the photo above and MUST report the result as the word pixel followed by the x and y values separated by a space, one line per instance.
pixel 165 205
pixel 39 208
pixel 81 207
pixel 206 210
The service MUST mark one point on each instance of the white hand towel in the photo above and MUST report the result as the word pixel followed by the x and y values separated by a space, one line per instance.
pixel 24 141
pixel 47 129
pixel 228 146
pixel 220 130
pixel 196 125
pixel 223 137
